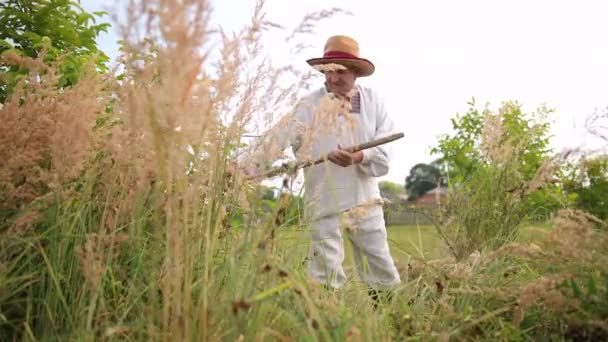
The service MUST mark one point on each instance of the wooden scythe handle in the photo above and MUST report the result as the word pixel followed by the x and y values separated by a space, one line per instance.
pixel 287 167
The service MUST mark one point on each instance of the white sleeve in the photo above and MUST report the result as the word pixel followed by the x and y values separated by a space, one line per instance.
pixel 259 156
pixel 376 160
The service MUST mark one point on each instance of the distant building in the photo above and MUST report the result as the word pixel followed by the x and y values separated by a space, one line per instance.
pixel 400 211
pixel 432 197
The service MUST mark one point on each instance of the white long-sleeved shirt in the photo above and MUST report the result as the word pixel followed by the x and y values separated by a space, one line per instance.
pixel 315 129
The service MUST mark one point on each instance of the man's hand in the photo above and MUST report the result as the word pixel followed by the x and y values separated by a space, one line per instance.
pixel 233 168
pixel 344 158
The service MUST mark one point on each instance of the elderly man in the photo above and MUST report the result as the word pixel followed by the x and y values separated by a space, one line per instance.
pixel 343 193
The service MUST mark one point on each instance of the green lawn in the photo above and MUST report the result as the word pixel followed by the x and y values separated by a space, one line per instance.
pixel 423 241
pixel 406 242
pixel 419 241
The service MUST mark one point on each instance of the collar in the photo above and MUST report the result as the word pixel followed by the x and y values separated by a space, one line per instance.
pixel 354 92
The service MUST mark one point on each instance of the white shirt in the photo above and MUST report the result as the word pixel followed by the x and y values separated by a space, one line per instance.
pixel 316 128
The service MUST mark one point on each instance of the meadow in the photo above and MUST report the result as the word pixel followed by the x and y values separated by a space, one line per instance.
pixel 123 217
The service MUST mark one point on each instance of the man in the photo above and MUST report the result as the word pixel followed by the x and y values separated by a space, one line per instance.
pixel 343 192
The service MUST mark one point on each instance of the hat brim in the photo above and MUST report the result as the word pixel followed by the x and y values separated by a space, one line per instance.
pixel 361 66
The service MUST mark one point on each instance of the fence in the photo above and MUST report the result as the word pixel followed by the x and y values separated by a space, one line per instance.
pixel 398 214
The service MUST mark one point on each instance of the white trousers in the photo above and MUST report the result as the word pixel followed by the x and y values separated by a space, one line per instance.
pixel 367 232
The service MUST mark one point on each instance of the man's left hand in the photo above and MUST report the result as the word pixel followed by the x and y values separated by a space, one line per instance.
pixel 344 158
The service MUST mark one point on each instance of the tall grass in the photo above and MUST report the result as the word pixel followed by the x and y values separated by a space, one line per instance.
pixel 119 210
pixel 123 218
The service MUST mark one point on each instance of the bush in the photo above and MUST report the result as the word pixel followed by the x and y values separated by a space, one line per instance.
pixel 587 183
pixel 476 142
pixel 486 208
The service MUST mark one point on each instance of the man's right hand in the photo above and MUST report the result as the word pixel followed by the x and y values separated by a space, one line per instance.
pixel 234 168
pixel 344 158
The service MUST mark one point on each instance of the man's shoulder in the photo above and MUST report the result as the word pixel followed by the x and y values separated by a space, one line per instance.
pixel 306 104
pixel 314 95
pixel 310 99
pixel 369 92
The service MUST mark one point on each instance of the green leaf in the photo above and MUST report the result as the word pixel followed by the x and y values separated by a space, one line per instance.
pixel 591 286
pixel 33 36
pixel 13 50
pixel 575 289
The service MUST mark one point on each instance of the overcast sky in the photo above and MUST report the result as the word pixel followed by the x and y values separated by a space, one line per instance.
pixel 433 56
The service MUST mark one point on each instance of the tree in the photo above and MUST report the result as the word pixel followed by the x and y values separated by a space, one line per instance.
pixel 59 29
pixel 587 182
pixel 423 178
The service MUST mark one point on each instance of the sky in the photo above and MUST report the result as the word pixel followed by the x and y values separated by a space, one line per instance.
pixel 433 56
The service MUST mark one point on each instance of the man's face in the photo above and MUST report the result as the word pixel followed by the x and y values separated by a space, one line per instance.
pixel 340 81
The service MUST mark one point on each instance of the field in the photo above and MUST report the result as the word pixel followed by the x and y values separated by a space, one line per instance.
pixel 407 242
pixel 126 213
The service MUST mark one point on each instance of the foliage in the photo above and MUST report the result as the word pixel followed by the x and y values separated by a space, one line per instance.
pixel 485 209
pixel 482 213
pixel 587 183
pixel 268 193
pixel 555 287
pixel 463 151
pixel 60 30
pixel 423 178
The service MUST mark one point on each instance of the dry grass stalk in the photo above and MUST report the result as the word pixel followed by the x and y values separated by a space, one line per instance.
pixel 513 248
pixel 323 68
pixel 46 134
pixel 350 218
pixel 96 253
pixel 575 239
pixel 183 105
pixel 492 138
pixel 543 290
pixel 175 115
pixel 597 124
pixel 309 22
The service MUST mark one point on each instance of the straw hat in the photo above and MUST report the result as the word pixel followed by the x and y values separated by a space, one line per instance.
pixel 344 50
